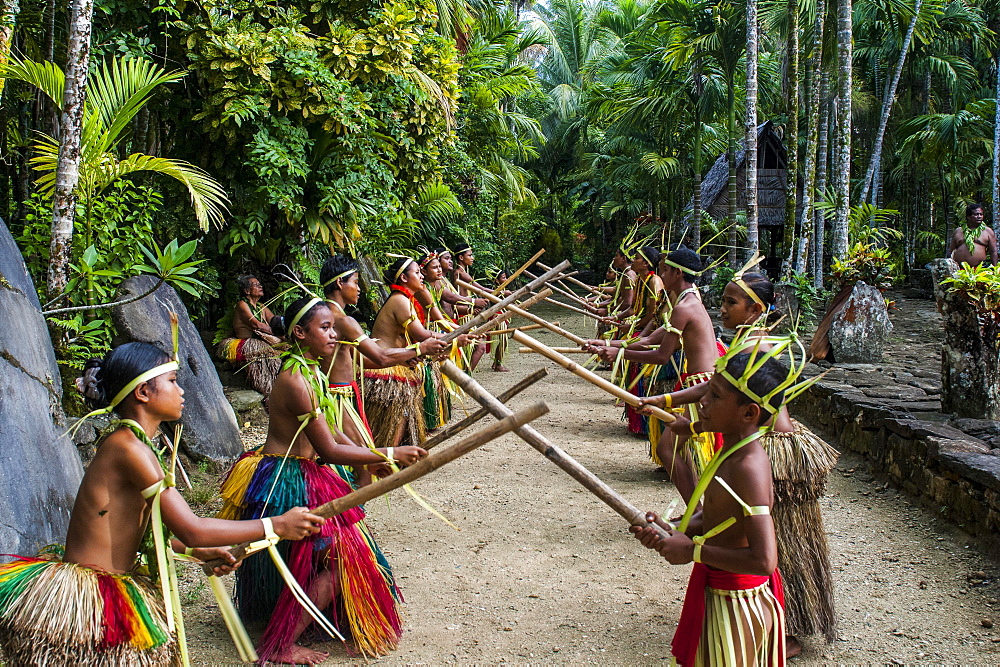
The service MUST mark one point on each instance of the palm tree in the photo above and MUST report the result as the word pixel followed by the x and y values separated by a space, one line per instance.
pixel 117 92
pixel 845 48
pixel 750 143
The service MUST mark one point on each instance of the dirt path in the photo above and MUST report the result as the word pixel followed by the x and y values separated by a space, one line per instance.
pixel 541 571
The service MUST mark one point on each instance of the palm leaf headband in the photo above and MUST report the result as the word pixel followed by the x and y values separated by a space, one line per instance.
pixel 790 349
pixel 738 279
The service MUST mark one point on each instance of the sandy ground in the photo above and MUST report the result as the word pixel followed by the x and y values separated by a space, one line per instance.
pixel 541 571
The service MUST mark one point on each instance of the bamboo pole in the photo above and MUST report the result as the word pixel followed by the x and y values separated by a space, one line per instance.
pixel 514 275
pixel 562 289
pixel 458 427
pixel 526 315
pixel 576 310
pixel 506 424
pixel 569 277
pixel 549 450
pixel 526 327
pixel 589 376
pixel 524 305
pixel 560 350
pixel 499 304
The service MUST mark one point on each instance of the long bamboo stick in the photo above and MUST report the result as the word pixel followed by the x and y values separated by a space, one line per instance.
pixel 560 350
pixel 526 327
pixel 549 450
pixel 576 310
pixel 514 275
pixel 526 315
pixel 562 289
pixel 524 305
pixel 589 376
pixel 569 277
pixel 500 304
pixel 458 427
pixel 506 424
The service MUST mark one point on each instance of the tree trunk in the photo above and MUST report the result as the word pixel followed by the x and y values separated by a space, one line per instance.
pixel 751 129
pixel 50 30
pixel 792 133
pixel 844 56
pixel 812 129
pixel 996 157
pixel 71 126
pixel 9 10
pixel 732 236
pixel 696 206
pixel 822 157
pixel 887 101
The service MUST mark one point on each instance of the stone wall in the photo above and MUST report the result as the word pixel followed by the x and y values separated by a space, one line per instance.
pixel 949 468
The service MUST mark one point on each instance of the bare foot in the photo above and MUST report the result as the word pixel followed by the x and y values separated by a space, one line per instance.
pixel 500 368
pixel 792 646
pixel 299 655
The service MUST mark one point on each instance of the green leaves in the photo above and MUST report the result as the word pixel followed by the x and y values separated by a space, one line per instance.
pixel 171 266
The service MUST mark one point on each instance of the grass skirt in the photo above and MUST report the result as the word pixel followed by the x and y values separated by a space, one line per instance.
pixel 262 362
pixel 800 463
pixel 365 594
pixel 637 423
pixel 763 631
pixel 393 397
pixel 57 613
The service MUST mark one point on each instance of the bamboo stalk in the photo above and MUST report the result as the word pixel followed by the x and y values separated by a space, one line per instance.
pixel 569 277
pixel 500 304
pixel 525 314
pixel 576 310
pixel 549 450
pixel 514 275
pixel 526 327
pixel 506 424
pixel 525 305
pixel 457 427
pixel 562 289
pixel 589 376
pixel 560 350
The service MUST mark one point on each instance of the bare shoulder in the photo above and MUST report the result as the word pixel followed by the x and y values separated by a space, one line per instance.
pixel 750 475
pixel 123 453
pixel 348 328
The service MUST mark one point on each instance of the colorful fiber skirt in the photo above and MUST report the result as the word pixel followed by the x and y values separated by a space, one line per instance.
pixel 662 382
pixel 58 613
pixel 364 591
pixel 800 463
pixel 637 383
pixel 394 403
pixel 261 360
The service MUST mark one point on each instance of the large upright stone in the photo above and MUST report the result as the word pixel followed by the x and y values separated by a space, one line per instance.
pixel 40 470
pixel 970 365
pixel 860 329
pixel 210 428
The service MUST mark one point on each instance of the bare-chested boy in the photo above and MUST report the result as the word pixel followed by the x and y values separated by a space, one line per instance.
pixel 972 241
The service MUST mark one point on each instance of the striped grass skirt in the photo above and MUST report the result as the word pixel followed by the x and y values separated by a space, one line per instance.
pixel 58 613
pixel 365 594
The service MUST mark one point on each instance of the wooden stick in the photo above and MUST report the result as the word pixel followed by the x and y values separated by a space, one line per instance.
pixel 434 461
pixel 525 305
pixel 559 287
pixel 589 480
pixel 454 429
pixel 575 310
pixel 526 327
pixel 589 376
pixel 569 277
pixel 560 350
pixel 500 304
pixel 511 277
pixel 526 315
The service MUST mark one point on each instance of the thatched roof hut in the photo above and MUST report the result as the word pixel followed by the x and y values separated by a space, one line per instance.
pixel 772 179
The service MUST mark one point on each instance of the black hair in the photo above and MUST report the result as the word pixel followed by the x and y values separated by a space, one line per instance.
pixel 771 373
pixel 461 248
pixel 651 254
pixel 390 273
pixel 974 206
pixel 104 378
pixel 335 266
pixel 442 251
pixel 689 259
pixel 279 323
pixel 243 283
pixel 764 289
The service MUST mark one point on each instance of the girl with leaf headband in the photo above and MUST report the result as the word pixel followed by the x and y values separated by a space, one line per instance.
pixel 339 567
pixel 101 606
pixel 356 352
pixel 800 463
pixel 394 397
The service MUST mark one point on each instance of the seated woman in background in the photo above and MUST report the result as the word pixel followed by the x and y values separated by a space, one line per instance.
pixel 252 344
